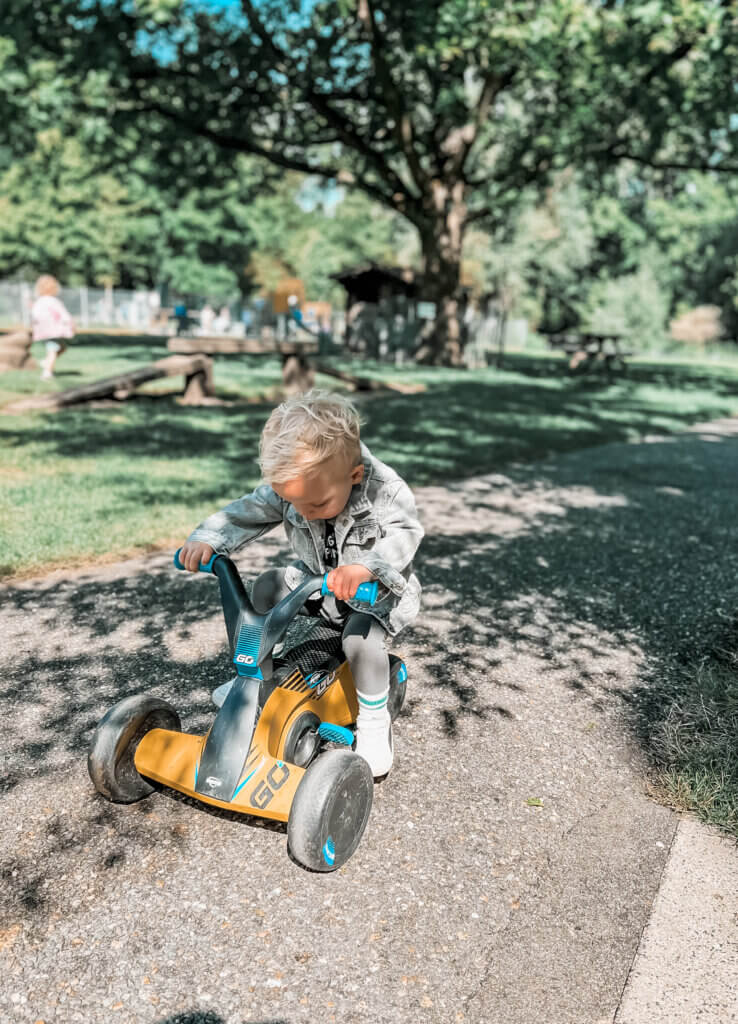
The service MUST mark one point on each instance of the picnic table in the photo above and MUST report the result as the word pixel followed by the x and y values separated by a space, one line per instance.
pixel 297 374
pixel 589 349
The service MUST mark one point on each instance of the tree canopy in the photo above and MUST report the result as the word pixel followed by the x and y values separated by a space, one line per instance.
pixel 445 111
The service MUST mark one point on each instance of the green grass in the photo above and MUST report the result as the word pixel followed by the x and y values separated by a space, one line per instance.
pixel 92 482
pixel 95 356
pixel 688 717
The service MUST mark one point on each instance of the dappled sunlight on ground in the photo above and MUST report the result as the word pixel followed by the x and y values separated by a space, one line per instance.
pixel 545 566
pixel 84 640
pixel 509 507
pixel 554 596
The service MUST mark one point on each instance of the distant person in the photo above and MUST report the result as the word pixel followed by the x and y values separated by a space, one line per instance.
pixel 154 304
pixel 51 322
pixel 294 316
pixel 223 321
pixel 247 319
pixel 207 316
pixel 180 313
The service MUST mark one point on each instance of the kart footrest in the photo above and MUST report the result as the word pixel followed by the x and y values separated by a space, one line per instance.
pixel 336 734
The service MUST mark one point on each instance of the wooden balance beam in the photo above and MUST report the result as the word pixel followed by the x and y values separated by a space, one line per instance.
pixel 196 369
pixel 217 345
pixel 297 374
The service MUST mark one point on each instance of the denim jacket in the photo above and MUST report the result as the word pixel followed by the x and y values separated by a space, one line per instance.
pixel 378 528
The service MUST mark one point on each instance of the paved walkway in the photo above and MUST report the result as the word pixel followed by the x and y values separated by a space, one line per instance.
pixel 513 856
pixel 685 969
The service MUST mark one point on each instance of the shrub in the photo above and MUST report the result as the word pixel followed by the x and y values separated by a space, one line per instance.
pixel 698 326
pixel 635 304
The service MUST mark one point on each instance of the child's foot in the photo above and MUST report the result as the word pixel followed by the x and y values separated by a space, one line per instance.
pixel 374 741
pixel 46 374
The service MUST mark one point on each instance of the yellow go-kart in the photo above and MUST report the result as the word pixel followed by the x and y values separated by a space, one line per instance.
pixel 280 744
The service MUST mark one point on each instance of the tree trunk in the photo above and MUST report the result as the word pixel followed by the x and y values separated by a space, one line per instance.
pixel 500 329
pixel 442 339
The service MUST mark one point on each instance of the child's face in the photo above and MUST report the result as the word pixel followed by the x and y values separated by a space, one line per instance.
pixel 325 491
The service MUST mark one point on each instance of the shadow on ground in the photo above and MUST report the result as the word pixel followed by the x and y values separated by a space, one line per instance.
pixel 206 1017
pixel 464 424
pixel 632 542
pixel 570 564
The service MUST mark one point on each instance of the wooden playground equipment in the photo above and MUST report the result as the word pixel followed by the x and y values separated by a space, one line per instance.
pixel 196 369
pixel 192 358
pixel 297 373
pixel 15 349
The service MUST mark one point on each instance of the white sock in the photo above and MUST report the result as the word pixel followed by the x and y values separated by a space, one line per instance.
pixel 374 732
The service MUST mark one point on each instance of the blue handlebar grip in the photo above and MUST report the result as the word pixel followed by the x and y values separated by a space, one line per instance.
pixel 366 592
pixel 203 567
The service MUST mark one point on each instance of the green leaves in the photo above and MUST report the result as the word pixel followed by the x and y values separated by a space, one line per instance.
pixel 160 11
pixel 412 103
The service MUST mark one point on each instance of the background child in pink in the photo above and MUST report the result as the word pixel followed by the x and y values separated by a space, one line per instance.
pixel 50 322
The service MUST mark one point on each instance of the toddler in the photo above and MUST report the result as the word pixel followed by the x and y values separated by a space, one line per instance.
pixel 345 513
pixel 50 322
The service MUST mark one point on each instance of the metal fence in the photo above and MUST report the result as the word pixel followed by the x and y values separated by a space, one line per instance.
pixel 390 338
pixel 142 311
pixel 90 307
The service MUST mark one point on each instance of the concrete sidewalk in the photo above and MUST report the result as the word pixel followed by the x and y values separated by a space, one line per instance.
pixel 686 968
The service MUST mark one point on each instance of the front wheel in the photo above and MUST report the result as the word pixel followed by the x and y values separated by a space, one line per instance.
pixel 110 761
pixel 330 810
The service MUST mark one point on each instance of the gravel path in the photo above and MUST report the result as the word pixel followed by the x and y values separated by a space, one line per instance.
pixel 512 855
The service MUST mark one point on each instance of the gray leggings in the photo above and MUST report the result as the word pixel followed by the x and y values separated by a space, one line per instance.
pixel 362 635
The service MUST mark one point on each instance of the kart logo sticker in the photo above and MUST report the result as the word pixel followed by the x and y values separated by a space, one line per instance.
pixel 245 659
pixel 264 791
pixel 320 681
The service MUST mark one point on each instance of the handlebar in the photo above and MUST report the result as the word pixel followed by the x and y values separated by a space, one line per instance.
pixel 365 592
pixel 203 566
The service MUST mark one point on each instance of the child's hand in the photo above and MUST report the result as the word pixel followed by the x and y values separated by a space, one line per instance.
pixel 195 552
pixel 345 580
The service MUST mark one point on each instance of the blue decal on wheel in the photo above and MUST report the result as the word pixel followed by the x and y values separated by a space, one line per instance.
pixel 329 852
pixel 401 673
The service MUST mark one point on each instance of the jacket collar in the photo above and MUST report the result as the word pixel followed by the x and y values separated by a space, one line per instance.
pixel 359 502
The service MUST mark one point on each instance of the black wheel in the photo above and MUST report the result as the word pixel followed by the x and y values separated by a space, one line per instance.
pixel 398 686
pixel 302 741
pixel 110 761
pixel 330 810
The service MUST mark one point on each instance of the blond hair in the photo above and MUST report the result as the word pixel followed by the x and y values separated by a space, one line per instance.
pixel 305 431
pixel 47 285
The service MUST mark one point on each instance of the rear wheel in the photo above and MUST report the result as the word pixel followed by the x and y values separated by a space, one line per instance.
pixel 398 686
pixel 330 810
pixel 110 761
pixel 302 741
